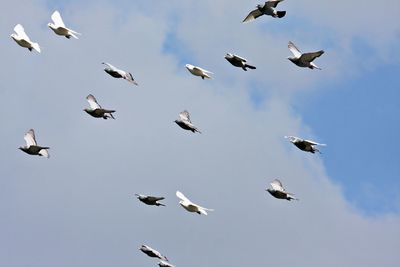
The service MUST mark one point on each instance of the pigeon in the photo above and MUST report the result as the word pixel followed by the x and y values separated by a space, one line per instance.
pixel 305 145
pixel 23 40
pixel 238 61
pixel 197 71
pixel 151 252
pixel 162 263
pixel 96 110
pixel 59 28
pixel 305 59
pixel 117 73
pixel 185 123
pixel 266 9
pixel 190 206
pixel 150 200
pixel 31 147
pixel 278 191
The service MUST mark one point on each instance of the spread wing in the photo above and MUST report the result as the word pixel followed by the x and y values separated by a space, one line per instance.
pixel 110 66
pixel 313 143
pixel 151 198
pixel 240 58
pixel 203 70
pixel 185 116
pixel 277 185
pixel 272 3
pixel 295 51
pixel 30 138
pixel 311 56
pixel 56 17
pixel 21 32
pixel 182 197
pixel 92 102
pixel 253 15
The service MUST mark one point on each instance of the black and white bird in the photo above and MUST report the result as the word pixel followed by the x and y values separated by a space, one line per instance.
pixel 185 123
pixel 197 71
pixel 150 200
pixel 238 61
pixel 305 145
pixel 31 147
pixel 96 110
pixel 151 252
pixel 278 191
pixel 190 206
pixel 21 38
pixel 162 263
pixel 267 9
pixel 59 28
pixel 304 60
pixel 117 73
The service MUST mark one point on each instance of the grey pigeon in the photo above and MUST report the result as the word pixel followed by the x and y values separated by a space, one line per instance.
pixel 152 252
pixel 31 147
pixel 238 61
pixel 150 200
pixel 278 191
pixel 162 263
pixel 267 9
pixel 305 145
pixel 117 73
pixel 304 59
pixel 96 110
pixel 185 123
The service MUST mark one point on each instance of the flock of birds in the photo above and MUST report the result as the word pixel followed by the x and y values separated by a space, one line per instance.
pixel 95 110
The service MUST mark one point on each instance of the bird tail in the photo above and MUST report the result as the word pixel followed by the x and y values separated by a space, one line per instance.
pixel 280 14
pixel 249 66
pixel 36 47
pixel 73 34
pixel 313 66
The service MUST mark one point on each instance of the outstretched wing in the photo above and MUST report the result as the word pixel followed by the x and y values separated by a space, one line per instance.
pixel 313 143
pixel 185 116
pixel 110 66
pixel 272 3
pixel 309 57
pixel 56 17
pixel 30 138
pixel 21 32
pixel 240 58
pixel 295 51
pixel 151 198
pixel 253 15
pixel 92 102
pixel 277 185
pixel 182 197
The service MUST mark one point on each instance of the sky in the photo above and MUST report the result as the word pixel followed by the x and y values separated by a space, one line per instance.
pixel 78 207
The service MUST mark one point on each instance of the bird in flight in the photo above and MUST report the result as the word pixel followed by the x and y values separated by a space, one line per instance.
pixel 96 110
pixel 31 147
pixel 267 9
pixel 151 252
pixel 21 38
pixel 278 191
pixel 150 200
pixel 305 145
pixel 117 73
pixel 190 206
pixel 304 60
pixel 185 123
pixel 59 28
pixel 238 61
pixel 197 71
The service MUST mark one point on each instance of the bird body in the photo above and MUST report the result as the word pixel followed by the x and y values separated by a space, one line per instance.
pixel 197 71
pixel 279 192
pixel 267 9
pixel 190 206
pixel 59 28
pixel 31 147
pixel 150 200
pixel 305 145
pixel 162 263
pixel 238 61
pixel 304 60
pixel 117 73
pixel 185 123
pixel 96 110
pixel 21 38
pixel 151 252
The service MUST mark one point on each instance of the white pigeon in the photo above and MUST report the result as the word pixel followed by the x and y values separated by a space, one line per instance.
pixel 303 144
pixel 31 147
pixel 22 38
pixel 197 71
pixel 303 59
pixel 190 206
pixel 267 9
pixel 278 191
pixel 162 263
pixel 185 123
pixel 59 28
pixel 117 73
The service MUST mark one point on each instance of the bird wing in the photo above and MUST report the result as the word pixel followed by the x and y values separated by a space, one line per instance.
pixel 110 66
pixel 311 56
pixel 182 197
pixel 295 51
pixel 253 15
pixel 185 116
pixel 128 76
pixel 44 153
pixel 56 17
pixel 313 143
pixel 151 198
pixel 277 185
pixel 272 3
pixel 203 70
pixel 240 58
pixel 92 102
pixel 30 138
pixel 293 138
pixel 21 32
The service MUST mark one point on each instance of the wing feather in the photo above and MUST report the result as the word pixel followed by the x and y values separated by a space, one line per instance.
pixel 253 15
pixel 56 17
pixel 21 32
pixel 295 51
pixel 182 197
pixel 185 116
pixel 30 138
pixel 311 56
pixel 277 185
pixel 272 3
pixel 92 102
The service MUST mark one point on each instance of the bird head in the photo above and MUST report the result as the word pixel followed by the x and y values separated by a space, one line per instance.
pixel 189 66
pixel 51 25
pixel 13 36
pixel 228 55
